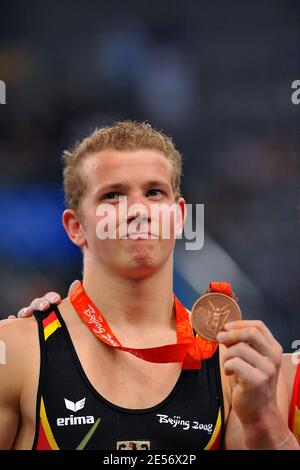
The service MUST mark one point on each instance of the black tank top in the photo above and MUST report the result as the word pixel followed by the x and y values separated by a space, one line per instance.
pixel 71 414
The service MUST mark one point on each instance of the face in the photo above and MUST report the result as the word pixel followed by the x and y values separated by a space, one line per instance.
pixel 141 238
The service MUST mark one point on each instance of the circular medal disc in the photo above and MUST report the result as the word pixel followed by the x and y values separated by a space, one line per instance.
pixel 210 313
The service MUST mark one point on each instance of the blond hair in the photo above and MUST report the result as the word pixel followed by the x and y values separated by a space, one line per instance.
pixel 126 135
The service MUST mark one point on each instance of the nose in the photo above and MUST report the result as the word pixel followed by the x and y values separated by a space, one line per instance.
pixel 138 207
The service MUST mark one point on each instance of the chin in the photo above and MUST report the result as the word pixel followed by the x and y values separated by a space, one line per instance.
pixel 141 267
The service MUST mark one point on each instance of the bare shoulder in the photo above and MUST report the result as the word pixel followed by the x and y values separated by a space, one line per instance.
pixel 18 329
pixel 18 338
pixel 288 367
pixel 19 358
pixel 19 362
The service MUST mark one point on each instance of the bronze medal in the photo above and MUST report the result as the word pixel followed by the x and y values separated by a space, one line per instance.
pixel 210 313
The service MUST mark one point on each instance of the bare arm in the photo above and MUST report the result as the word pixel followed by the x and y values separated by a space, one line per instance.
pixel 273 429
pixel 289 370
pixel 10 388
pixel 258 418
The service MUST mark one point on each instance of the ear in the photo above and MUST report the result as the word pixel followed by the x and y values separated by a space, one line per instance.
pixel 73 227
pixel 181 216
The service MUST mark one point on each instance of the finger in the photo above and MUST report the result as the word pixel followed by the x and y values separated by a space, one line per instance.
pixel 12 317
pixel 52 298
pixel 275 346
pixel 250 356
pixel 250 335
pixel 24 312
pixel 248 323
pixel 243 371
pixel 73 285
pixel 39 304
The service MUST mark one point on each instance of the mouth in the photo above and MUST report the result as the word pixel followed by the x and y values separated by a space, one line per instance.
pixel 141 236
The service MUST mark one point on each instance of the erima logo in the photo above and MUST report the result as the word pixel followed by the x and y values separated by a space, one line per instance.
pixel 75 406
pixel 75 420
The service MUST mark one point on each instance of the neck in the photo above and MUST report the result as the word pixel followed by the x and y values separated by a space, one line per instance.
pixel 136 303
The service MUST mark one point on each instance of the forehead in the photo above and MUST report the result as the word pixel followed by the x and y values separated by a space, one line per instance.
pixel 110 166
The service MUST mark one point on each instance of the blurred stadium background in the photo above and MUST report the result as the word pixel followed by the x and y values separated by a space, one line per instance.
pixel 216 76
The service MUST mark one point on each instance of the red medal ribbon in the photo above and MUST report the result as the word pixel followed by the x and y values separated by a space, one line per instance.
pixel 221 288
pixel 189 350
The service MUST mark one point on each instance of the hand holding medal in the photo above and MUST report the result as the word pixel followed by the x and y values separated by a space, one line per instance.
pixel 251 358
pixel 214 309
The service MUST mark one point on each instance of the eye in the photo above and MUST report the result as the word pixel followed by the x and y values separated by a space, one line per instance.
pixel 155 192
pixel 112 195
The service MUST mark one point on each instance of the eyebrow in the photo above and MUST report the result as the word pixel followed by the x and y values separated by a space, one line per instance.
pixel 157 183
pixel 118 186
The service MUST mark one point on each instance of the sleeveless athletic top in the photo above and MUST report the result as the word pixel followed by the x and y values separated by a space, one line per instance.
pixel 71 414
pixel 294 418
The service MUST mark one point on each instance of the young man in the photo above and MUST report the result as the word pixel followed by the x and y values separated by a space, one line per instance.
pixel 84 393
